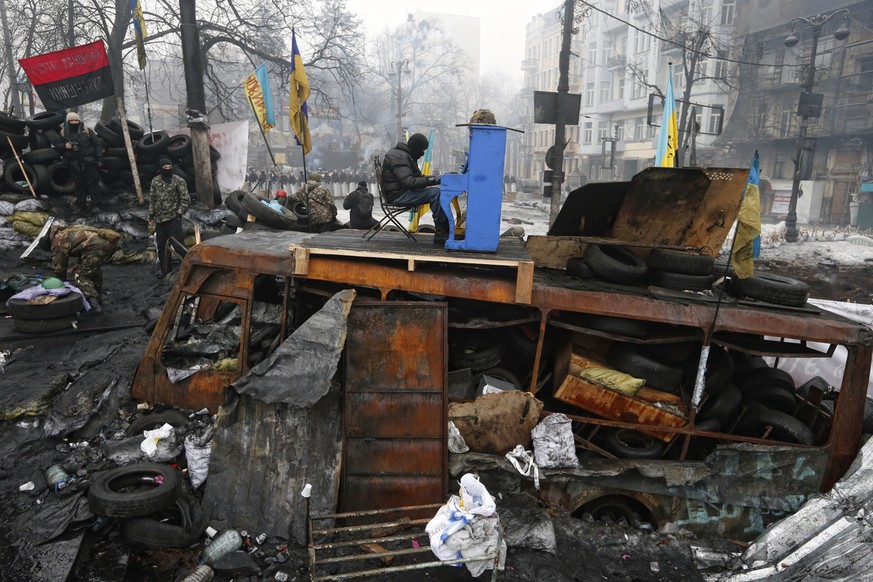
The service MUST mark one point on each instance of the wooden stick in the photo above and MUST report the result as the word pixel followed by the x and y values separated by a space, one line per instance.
pixel 128 145
pixel 21 165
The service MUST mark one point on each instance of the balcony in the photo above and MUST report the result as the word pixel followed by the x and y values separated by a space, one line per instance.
pixel 616 62
pixel 530 65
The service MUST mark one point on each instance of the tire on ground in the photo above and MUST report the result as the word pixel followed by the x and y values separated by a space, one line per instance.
pixel 11 124
pixel 500 374
pixel 679 281
pixel 576 267
pixel 234 201
pixel 134 129
pixel 153 144
pixel 179 145
pixel 630 360
pixel 153 534
pixel 773 397
pixel 108 496
pixel 43 325
pixel 284 220
pixel 110 136
pixel 61 178
pixel 686 263
pixel 783 427
pixel 41 156
pixel 615 325
pixel 18 140
pixel 46 120
pixel 154 420
pixel 13 174
pixel 776 289
pixel 632 444
pixel 616 264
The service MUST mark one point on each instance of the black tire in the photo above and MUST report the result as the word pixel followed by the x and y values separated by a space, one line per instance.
pixel 500 374
pixel 709 425
pixel 233 222
pixel 39 140
pixel 785 427
pixel 178 526
pixel 674 353
pixel 615 325
pixel 42 177
pixel 106 495
pixel 631 444
pixel 135 130
pixel 682 262
pixel 719 370
pixel 43 325
pixel 61 178
pixel 768 376
pixel 616 264
pixel 745 364
pixel 815 382
pixel 154 420
pixel 234 201
pixel 18 140
pixel 153 144
pixel 11 124
pixel 679 281
pixel 112 138
pixel 179 145
pixel 628 359
pixel 116 152
pixel 773 397
pixel 776 289
pixel 476 360
pixel 183 174
pixel 43 156
pixel 576 267
pixel 214 154
pixel 46 120
pixel 300 213
pixel 13 174
pixel 284 220
pixel 113 163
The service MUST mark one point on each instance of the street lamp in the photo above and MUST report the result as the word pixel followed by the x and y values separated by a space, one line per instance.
pixel 809 105
pixel 402 67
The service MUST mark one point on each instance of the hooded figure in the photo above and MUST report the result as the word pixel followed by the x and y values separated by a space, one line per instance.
pixel 168 202
pixel 319 203
pixel 404 184
pixel 81 151
pixel 360 204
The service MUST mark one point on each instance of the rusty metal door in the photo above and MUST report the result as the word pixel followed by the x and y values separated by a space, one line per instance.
pixel 395 406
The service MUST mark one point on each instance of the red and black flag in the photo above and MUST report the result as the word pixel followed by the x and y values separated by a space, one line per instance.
pixel 70 77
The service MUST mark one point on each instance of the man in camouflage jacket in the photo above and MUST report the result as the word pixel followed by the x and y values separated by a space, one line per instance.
pixel 93 246
pixel 168 202
pixel 319 202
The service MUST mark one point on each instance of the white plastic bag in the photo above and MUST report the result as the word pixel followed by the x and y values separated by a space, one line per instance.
pixel 150 444
pixel 456 440
pixel 457 513
pixel 553 442
pixel 197 452
pixel 523 462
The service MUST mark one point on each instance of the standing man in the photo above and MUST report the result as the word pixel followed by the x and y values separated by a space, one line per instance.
pixel 360 202
pixel 319 203
pixel 81 151
pixel 93 246
pixel 404 184
pixel 168 201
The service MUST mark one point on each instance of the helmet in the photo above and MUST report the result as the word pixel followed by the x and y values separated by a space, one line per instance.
pixel 483 117
pixel 52 283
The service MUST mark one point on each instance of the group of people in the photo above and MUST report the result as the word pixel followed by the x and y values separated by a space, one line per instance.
pixel 321 209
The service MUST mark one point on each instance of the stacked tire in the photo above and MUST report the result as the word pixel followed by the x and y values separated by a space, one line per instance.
pixel 680 271
pixel 13 138
pixel 58 315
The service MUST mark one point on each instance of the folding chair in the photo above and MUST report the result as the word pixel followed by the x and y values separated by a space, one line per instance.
pixel 391 210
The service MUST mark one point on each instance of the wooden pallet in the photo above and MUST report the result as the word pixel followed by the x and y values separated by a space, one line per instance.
pixel 394 246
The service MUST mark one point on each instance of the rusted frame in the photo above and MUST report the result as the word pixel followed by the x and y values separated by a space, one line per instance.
pixel 388 526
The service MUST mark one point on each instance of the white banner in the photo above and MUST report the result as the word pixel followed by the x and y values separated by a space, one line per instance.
pixel 232 142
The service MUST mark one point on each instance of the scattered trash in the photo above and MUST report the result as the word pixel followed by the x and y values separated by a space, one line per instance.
pixel 197 452
pixel 29 486
pixel 456 441
pixel 229 541
pixel 4 360
pixel 524 463
pixel 56 477
pixel 553 443
pixel 149 445
pixel 201 573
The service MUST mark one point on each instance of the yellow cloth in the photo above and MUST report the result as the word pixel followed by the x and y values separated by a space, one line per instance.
pixel 748 229
pixel 613 379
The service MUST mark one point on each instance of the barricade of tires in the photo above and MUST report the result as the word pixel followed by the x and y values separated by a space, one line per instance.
pixel 41 163
pixel 682 271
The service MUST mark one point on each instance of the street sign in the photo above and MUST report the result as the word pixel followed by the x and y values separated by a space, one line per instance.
pixel 546 107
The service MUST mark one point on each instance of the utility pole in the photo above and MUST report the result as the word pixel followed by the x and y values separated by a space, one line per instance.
pixel 10 64
pixel 196 102
pixel 399 65
pixel 562 108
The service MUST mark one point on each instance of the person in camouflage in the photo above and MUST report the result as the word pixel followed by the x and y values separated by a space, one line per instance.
pixel 93 246
pixel 168 201
pixel 319 202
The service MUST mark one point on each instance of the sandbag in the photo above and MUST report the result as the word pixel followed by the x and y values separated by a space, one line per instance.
pixel 29 205
pixel 26 228
pixel 6 208
pixel 496 423
pixel 553 442
pixel 613 379
pixel 33 217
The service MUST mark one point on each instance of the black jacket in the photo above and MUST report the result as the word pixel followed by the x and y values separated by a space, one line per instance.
pixel 360 203
pixel 89 150
pixel 400 172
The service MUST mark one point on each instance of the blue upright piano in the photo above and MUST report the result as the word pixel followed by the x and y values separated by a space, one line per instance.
pixel 482 180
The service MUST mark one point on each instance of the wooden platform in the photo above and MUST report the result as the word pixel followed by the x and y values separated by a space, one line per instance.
pixel 394 246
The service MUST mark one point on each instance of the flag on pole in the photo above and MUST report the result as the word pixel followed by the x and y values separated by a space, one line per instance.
pixel 668 137
pixel 299 95
pixel 139 31
pixel 70 77
pixel 428 155
pixel 747 244
pixel 257 86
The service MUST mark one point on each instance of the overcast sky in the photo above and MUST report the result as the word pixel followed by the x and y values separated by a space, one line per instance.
pixel 503 23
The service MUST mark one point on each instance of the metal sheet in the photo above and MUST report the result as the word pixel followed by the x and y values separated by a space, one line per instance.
pixel 395 418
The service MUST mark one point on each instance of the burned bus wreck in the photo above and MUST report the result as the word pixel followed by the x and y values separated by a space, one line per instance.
pixel 429 327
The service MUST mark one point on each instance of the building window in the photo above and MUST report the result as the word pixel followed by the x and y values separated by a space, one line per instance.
pixel 618 88
pixel 589 133
pixel 602 130
pixel 642 42
pixel 619 131
pixel 604 91
pixel 589 95
pixel 786 121
pixel 715 122
pixel 640 129
pixel 638 90
pixel 728 11
pixel 706 12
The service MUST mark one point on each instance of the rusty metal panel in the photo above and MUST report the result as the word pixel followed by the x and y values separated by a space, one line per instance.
pixel 692 207
pixel 395 408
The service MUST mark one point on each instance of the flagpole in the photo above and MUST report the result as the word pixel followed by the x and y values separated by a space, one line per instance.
pixel 264 135
pixel 304 121
pixel 145 77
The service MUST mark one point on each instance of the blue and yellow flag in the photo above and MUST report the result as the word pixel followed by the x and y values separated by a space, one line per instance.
pixel 747 244
pixel 139 31
pixel 257 86
pixel 668 137
pixel 299 95
pixel 428 155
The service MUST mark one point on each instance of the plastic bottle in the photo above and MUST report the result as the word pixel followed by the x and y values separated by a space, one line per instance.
pixel 201 573
pixel 229 541
pixel 57 478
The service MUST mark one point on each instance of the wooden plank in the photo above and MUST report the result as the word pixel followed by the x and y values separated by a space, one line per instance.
pixel 524 283
pixel 554 251
pixel 301 260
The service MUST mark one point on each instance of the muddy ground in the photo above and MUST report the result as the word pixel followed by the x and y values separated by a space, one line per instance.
pixel 586 550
